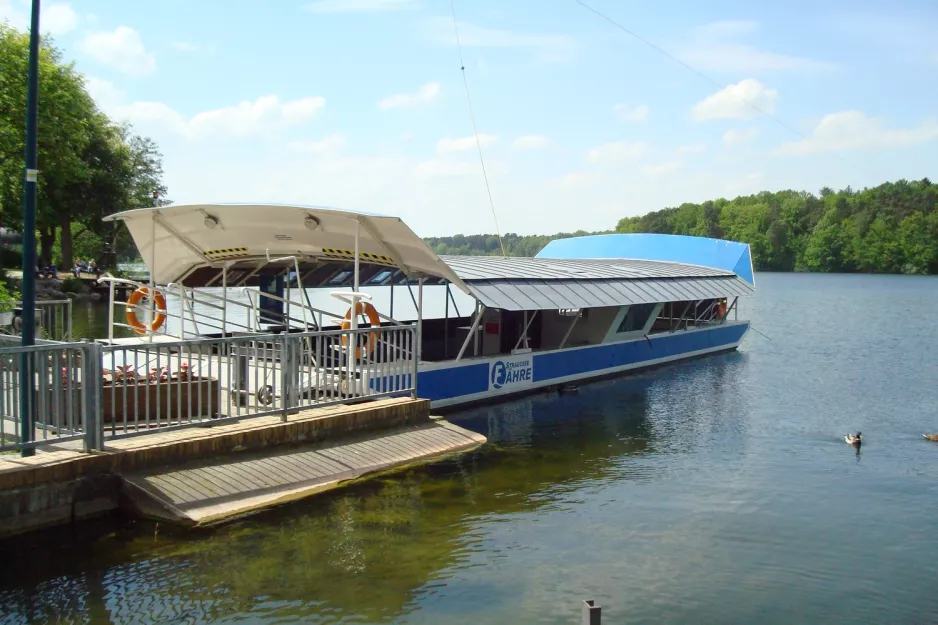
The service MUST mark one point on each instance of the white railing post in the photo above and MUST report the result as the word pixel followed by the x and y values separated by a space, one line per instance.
pixel 414 339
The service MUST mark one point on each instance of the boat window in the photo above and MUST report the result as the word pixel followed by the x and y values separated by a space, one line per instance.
pixel 636 317
pixel 341 277
pixel 381 277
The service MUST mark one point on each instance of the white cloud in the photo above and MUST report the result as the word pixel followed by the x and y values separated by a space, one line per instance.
pixel 853 130
pixel 55 19
pixel 463 143
pixel 550 47
pixel 735 137
pixel 121 49
pixel 185 46
pixel 662 168
pixel 738 101
pixel 330 144
pixel 359 6
pixel 16 17
pixel 708 50
pixel 58 19
pixel 438 168
pixel 106 95
pixel 530 142
pixel 727 28
pixel 615 152
pixel 425 94
pixel 631 114
pixel 691 148
pixel 575 179
pixel 259 118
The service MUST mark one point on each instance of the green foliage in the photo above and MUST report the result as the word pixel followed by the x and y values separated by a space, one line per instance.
pixel 892 228
pixel 89 166
pixel 487 244
pixel 7 298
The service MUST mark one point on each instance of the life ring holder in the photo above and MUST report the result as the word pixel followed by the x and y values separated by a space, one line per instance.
pixel 130 312
pixel 367 309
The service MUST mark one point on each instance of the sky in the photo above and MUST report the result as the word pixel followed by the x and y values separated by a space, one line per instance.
pixel 361 104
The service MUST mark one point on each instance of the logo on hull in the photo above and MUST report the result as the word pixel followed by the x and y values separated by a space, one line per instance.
pixel 511 372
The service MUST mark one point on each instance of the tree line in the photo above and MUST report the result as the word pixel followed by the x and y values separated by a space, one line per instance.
pixel 892 228
pixel 89 166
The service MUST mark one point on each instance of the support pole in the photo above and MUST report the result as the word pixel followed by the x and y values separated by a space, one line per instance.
pixel 472 331
pixel 524 333
pixel 419 350
pixel 355 281
pixel 566 336
pixel 29 233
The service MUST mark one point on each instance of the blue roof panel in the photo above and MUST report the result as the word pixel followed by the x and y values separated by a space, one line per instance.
pixel 716 253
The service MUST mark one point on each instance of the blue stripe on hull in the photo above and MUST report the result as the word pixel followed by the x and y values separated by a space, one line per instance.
pixel 452 383
pixel 595 359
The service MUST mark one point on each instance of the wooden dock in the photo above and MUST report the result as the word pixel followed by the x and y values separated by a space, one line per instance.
pixel 209 492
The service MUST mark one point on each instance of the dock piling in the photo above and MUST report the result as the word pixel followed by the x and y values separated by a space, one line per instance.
pixel 591 614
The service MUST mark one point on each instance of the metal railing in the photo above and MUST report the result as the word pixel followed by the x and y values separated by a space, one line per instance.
pixel 96 391
pixel 53 320
pixel 61 405
pixel 197 312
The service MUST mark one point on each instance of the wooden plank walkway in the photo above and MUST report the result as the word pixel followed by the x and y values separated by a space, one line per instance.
pixel 210 492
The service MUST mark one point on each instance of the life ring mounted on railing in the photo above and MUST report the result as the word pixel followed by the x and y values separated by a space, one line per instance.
pixel 721 308
pixel 130 312
pixel 362 308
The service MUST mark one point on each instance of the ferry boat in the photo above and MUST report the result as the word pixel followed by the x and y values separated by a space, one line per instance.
pixel 583 308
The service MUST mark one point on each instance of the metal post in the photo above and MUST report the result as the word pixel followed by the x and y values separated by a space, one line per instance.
pixel 110 312
pixel 591 614
pixel 446 325
pixel 29 233
pixel 566 336
pixel 524 333
pixel 473 330
pixel 152 291
pixel 287 375
pixel 416 372
pixel 92 392
pixel 224 302
pixel 68 321
pixel 477 338
pixel 354 319
pixel 418 352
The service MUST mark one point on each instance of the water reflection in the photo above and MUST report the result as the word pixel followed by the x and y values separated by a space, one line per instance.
pixel 370 550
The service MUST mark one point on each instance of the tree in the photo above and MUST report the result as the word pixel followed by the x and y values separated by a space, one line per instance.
pixel 89 167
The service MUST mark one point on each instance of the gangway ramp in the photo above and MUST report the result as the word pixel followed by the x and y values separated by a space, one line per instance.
pixel 221 489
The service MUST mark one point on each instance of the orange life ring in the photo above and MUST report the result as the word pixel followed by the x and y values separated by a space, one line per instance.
pixel 362 308
pixel 131 314
pixel 721 308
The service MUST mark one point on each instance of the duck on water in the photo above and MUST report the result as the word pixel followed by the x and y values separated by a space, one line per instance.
pixel 854 439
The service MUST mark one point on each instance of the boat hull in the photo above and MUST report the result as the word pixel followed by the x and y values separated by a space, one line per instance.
pixel 450 384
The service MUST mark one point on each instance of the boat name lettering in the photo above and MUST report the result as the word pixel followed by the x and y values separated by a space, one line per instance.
pixel 511 372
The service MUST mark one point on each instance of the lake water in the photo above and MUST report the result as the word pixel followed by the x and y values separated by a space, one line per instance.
pixel 718 491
